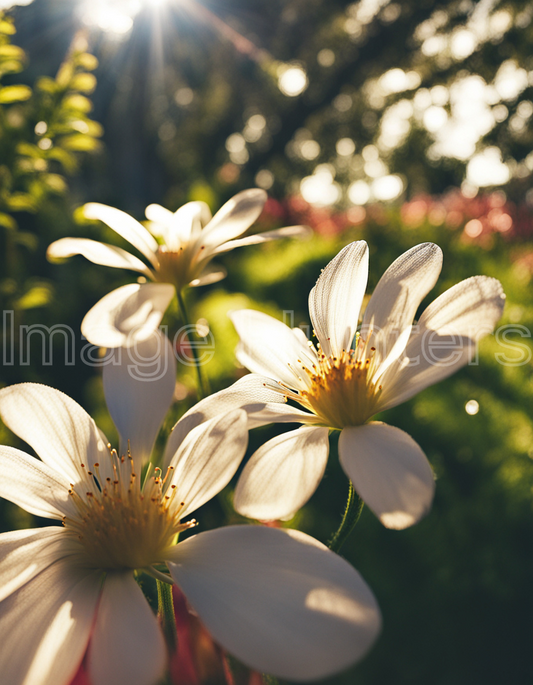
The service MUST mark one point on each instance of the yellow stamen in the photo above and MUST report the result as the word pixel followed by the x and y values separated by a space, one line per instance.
pixel 342 391
pixel 119 524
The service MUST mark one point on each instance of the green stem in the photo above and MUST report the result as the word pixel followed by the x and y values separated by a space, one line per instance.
pixel 354 507
pixel 201 382
pixel 166 614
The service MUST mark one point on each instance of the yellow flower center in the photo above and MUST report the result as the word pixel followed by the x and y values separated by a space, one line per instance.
pixel 121 525
pixel 178 267
pixel 342 392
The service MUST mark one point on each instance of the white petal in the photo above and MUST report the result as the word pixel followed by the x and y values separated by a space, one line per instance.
pixel 139 384
pixel 127 315
pixel 282 475
pixel 248 392
pixel 58 429
pixel 213 273
pixel 270 348
pixel 127 644
pixel 99 253
pixel 208 458
pixel 278 600
pixel 159 215
pixel 33 485
pixel 25 553
pixel 445 338
pixel 46 624
pixel 186 223
pixel 127 227
pixel 397 296
pixel 304 341
pixel 266 236
pixel 335 301
pixel 235 217
pixel 389 471
pixel 279 413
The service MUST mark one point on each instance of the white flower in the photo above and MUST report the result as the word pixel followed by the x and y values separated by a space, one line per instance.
pixel 189 239
pixel 279 600
pixel 341 387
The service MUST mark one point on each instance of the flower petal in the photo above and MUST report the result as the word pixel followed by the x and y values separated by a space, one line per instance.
pixel 278 600
pixel 248 392
pixel 266 236
pixel 139 384
pixel 46 625
pixel 98 253
pixel 25 553
pixel 212 273
pixel 127 227
pixel 389 471
pixel 33 485
pixel 127 644
pixel 279 413
pixel 282 474
pixel 270 348
pixel 187 223
pixel 159 215
pixel 401 289
pixel 207 459
pixel 58 429
pixel 335 301
pixel 127 315
pixel 445 338
pixel 231 220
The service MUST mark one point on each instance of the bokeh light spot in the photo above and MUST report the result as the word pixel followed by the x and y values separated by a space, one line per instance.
pixel 472 407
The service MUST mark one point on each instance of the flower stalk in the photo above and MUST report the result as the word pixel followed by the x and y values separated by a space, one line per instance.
pixel 354 507
pixel 166 614
pixel 203 389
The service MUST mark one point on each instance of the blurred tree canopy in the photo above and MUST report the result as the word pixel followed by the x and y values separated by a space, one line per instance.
pixel 393 122
pixel 211 97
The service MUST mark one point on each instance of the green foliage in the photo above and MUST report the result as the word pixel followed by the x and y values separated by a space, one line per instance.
pixel 38 138
pixel 42 130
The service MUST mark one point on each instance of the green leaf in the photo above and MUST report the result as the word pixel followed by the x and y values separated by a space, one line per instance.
pixel 8 222
pixel 87 61
pixel 18 93
pixel 66 159
pixel 21 202
pixel 65 74
pixel 38 296
pixel 7 28
pixel 29 240
pixel 47 85
pixel 11 52
pixel 56 183
pixel 28 150
pixel 79 142
pixel 77 102
pixel 95 129
pixel 85 83
pixel 10 66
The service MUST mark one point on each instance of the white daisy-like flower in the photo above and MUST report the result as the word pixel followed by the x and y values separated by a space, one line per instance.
pixel 277 599
pixel 189 239
pixel 342 387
